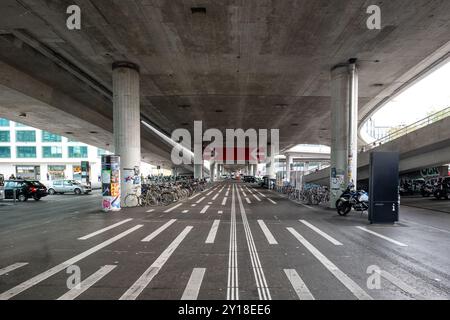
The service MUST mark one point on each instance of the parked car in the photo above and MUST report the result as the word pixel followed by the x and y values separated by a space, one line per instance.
pixel 68 186
pixel 25 189
pixel 249 179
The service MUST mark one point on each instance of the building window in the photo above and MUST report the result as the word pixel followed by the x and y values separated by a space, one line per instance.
pixel 4 122
pixel 78 152
pixel 5 136
pixel 52 152
pixel 101 152
pixel 26 136
pixel 56 172
pixel 5 152
pixel 50 137
pixel 26 152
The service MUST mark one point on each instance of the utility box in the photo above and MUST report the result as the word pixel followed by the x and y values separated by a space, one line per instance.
pixel 384 199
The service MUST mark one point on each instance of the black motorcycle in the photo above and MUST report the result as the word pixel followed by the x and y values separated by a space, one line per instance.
pixel 358 200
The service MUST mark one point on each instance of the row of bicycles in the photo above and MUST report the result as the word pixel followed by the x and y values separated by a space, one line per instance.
pixel 310 194
pixel 155 193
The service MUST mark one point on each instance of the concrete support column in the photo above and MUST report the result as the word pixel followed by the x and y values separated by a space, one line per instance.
pixel 344 122
pixel 270 168
pixel 198 161
pixel 127 124
pixel 212 171
pixel 254 168
pixel 288 167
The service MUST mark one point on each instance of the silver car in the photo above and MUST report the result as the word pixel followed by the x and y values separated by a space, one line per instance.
pixel 68 186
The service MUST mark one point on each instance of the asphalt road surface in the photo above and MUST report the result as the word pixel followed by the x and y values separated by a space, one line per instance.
pixel 232 241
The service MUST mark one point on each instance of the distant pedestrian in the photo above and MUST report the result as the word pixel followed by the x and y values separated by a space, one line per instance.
pixel 12 177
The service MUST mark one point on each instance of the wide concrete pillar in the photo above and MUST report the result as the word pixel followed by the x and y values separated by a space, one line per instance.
pixel 344 122
pixel 254 168
pixel 127 126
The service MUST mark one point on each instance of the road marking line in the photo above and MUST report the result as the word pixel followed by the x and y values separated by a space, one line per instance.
pixel 382 237
pixel 262 195
pixel 323 234
pixel 309 207
pixel 210 192
pixel 87 283
pixel 233 274
pixel 256 197
pixel 205 208
pixel 220 212
pixel 185 211
pixel 341 276
pixel 398 283
pixel 50 272
pixel 136 289
pixel 260 278
pixel 215 197
pixel 213 232
pixel 193 286
pixel 151 210
pixel 201 200
pixel 93 234
pixel 248 200
pixel 299 286
pixel 269 236
pixel 224 201
pixel 12 267
pixel 173 208
pixel 209 202
pixel 271 201
pixel 155 233
pixel 226 194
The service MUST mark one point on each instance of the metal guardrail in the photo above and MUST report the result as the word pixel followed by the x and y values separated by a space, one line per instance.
pixel 408 129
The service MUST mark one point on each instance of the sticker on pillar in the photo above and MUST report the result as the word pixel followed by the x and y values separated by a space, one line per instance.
pixel 115 190
pixel 106 203
pixel 106 176
pixel 106 189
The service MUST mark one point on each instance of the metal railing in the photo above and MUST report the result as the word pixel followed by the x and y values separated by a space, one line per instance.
pixel 408 129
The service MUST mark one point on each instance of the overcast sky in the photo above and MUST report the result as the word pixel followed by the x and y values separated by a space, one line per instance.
pixel 432 92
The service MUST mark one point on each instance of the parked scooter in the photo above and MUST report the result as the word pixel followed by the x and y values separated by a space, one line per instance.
pixel 358 200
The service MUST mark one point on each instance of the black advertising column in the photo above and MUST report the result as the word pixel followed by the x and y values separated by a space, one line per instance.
pixel 384 187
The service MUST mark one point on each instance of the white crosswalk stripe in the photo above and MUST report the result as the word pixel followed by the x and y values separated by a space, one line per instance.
pixel 173 208
pixel 382 237
pixel 269 236
pixel 47 274
pixel 155 233
pixel 299 286
pixel 213 232
pixel 91 235
pixel 87 283
pixel 12 267
pixel 341 276
pixel 323 234
pixel 136 289
pixel 193 287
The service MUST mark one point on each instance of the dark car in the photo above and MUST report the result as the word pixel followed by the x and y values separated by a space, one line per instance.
pixel 25 190
pixel 249 179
